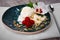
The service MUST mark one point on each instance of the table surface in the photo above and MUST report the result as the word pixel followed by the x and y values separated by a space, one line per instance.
pixel 9 3
pixel 57 14
pixel 8 35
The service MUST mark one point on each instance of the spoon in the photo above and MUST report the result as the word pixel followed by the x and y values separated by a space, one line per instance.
pixel 52 10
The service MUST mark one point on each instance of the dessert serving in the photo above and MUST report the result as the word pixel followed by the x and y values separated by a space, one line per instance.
pixel 27 18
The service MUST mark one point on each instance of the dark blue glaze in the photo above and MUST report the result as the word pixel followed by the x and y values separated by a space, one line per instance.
pixel 12 14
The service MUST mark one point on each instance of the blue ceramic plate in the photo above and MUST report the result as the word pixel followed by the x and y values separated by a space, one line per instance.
pixel 12 14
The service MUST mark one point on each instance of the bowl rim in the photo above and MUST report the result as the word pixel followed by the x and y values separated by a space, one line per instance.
pixel 29 33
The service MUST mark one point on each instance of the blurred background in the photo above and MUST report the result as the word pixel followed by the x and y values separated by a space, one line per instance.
pixel 19 2
pixel 10 3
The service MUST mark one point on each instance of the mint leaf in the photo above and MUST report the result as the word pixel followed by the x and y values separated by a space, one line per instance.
pixel 30 4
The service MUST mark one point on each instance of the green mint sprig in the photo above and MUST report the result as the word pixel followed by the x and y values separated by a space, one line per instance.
pixel 30 4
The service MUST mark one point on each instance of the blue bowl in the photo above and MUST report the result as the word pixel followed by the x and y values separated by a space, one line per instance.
pixel 12 14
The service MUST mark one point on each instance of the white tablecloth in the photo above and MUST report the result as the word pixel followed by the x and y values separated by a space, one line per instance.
pixel 57 13
pixel 6 34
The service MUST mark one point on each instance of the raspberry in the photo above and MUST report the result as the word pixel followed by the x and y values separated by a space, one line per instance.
pixel 32 22
pixel 27 19
pixel 24 22
pixel 36 10
pixel 41 10
pixel 28 22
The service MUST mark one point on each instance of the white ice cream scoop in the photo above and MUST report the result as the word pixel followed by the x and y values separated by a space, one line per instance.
pixel 26 11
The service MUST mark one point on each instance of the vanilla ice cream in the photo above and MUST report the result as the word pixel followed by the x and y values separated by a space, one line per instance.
pixel 26 11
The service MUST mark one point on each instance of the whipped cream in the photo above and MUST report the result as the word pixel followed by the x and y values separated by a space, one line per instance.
pixel 41 5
